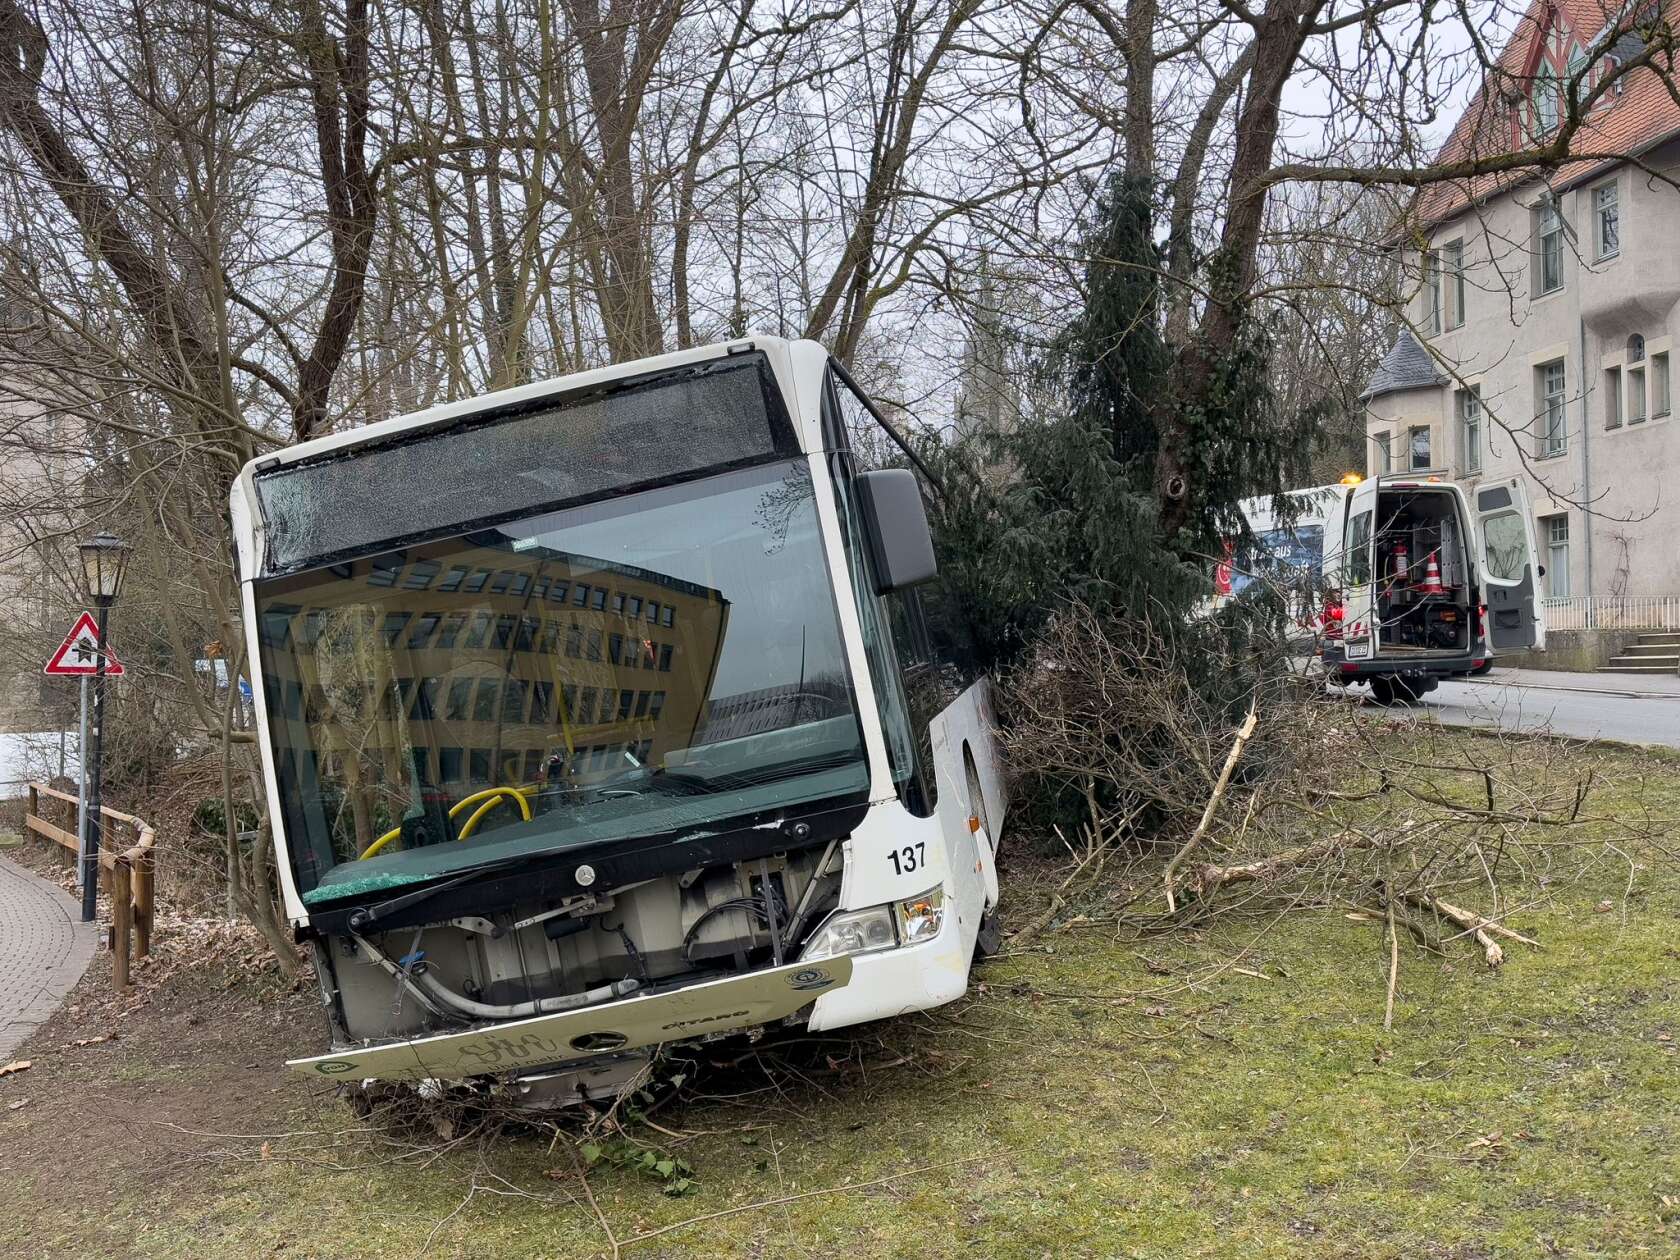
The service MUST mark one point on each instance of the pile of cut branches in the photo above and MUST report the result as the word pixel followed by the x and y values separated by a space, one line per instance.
pixel 1300 798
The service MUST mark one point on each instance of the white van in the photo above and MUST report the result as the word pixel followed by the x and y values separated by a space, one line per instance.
pixel 1423 585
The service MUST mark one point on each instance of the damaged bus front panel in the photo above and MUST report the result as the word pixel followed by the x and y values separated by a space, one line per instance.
pixel 599 714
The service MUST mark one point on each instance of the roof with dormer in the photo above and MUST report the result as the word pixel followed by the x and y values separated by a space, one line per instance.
pixel 1553 39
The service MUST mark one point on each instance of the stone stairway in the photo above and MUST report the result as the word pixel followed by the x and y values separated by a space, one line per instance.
pixel 1655 653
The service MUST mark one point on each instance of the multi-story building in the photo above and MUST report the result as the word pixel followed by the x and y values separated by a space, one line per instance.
pixel 1541 318
pixel 40 483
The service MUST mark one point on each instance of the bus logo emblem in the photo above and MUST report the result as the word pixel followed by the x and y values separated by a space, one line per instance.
pixel 811 978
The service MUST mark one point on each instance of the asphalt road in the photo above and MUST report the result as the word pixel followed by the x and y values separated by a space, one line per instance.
pixel 1564 705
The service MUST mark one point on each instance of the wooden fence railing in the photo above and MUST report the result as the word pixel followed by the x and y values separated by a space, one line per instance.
pixel 127 873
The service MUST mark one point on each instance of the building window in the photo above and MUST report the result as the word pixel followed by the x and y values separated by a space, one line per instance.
pixel 1548 249
pixel 1431 291
pixel 1607 220
pixel 1636 379
pixel 1470 425
pixel 1659 384
pixel 1545 103
pixel 1550 411
pixel 1556 531
pixel 1452 277
pixel 1417 445
pixel 1382 454
pixel 1613 398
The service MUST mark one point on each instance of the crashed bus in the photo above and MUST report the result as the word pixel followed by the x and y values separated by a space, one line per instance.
pixel 601 714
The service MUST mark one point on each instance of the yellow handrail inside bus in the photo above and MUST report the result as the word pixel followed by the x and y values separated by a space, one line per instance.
pixel 472 822
pixel 490 797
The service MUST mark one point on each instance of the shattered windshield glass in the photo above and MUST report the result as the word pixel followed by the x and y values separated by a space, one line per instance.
pixel 635 667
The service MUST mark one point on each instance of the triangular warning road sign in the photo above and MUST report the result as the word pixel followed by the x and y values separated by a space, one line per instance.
pixel 79 653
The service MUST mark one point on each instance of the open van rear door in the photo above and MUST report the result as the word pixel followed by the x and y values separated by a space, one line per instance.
pixel 1357 570
pixel 1510 572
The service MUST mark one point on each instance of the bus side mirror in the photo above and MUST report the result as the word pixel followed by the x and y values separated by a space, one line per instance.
pixel 900 542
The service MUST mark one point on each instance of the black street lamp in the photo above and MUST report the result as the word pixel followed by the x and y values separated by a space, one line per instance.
pixel 104 561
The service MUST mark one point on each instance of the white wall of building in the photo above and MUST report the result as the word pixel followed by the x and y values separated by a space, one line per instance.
pixel 1604 482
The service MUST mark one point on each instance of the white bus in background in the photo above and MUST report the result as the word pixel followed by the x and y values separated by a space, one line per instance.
pixel 1286 550
pixel 599 714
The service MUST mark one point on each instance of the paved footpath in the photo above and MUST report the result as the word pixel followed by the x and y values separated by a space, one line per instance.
pixel 44 948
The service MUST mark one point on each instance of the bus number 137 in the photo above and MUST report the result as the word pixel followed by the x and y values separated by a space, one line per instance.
pixel 911 857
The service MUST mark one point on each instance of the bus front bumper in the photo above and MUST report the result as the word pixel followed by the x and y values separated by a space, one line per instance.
pixel 513 1046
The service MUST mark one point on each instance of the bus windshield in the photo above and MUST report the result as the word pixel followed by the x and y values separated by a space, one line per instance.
pixel 635 667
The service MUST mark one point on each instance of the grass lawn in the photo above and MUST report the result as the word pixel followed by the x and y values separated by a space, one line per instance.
pixel 1095 1096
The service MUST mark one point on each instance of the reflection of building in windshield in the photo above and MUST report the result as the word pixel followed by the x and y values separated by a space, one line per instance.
pixel 773 709
pixel 471 665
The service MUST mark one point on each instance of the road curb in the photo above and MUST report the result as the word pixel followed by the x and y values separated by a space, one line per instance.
pixel 1580 691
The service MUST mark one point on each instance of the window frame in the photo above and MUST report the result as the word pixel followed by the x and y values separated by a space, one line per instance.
pixel 1548 109
pixel 1471 428
pixel 1548 236
pixel 1599 207
pixel 1553 437
pixel 1382 452
pixel 1453 288
pixel 1433 292
pixel 1412 432
pixel 1613 418
pixel 1661 386
pixel 1556 544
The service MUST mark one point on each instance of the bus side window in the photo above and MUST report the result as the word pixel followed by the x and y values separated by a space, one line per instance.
pixel 887 637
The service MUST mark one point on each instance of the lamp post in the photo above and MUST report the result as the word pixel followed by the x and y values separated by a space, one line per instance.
pixel 104 561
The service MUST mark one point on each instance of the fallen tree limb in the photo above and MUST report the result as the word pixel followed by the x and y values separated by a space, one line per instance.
pixel 1414 925
pixel 1244 733
pixel 1057 901
pixel 1483 929
pixel 1210 876
pixel 1393 967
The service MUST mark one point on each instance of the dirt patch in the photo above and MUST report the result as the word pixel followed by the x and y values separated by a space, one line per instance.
pixel 122 1092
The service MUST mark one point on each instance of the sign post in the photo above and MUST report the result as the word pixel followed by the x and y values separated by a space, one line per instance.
pixel 81 782
pixel 82 655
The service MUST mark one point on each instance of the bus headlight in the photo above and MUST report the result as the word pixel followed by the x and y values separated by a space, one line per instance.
pixel 907 922
pixel 920 918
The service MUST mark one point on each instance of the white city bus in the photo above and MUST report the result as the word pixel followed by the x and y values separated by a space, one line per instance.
pixel 600 714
